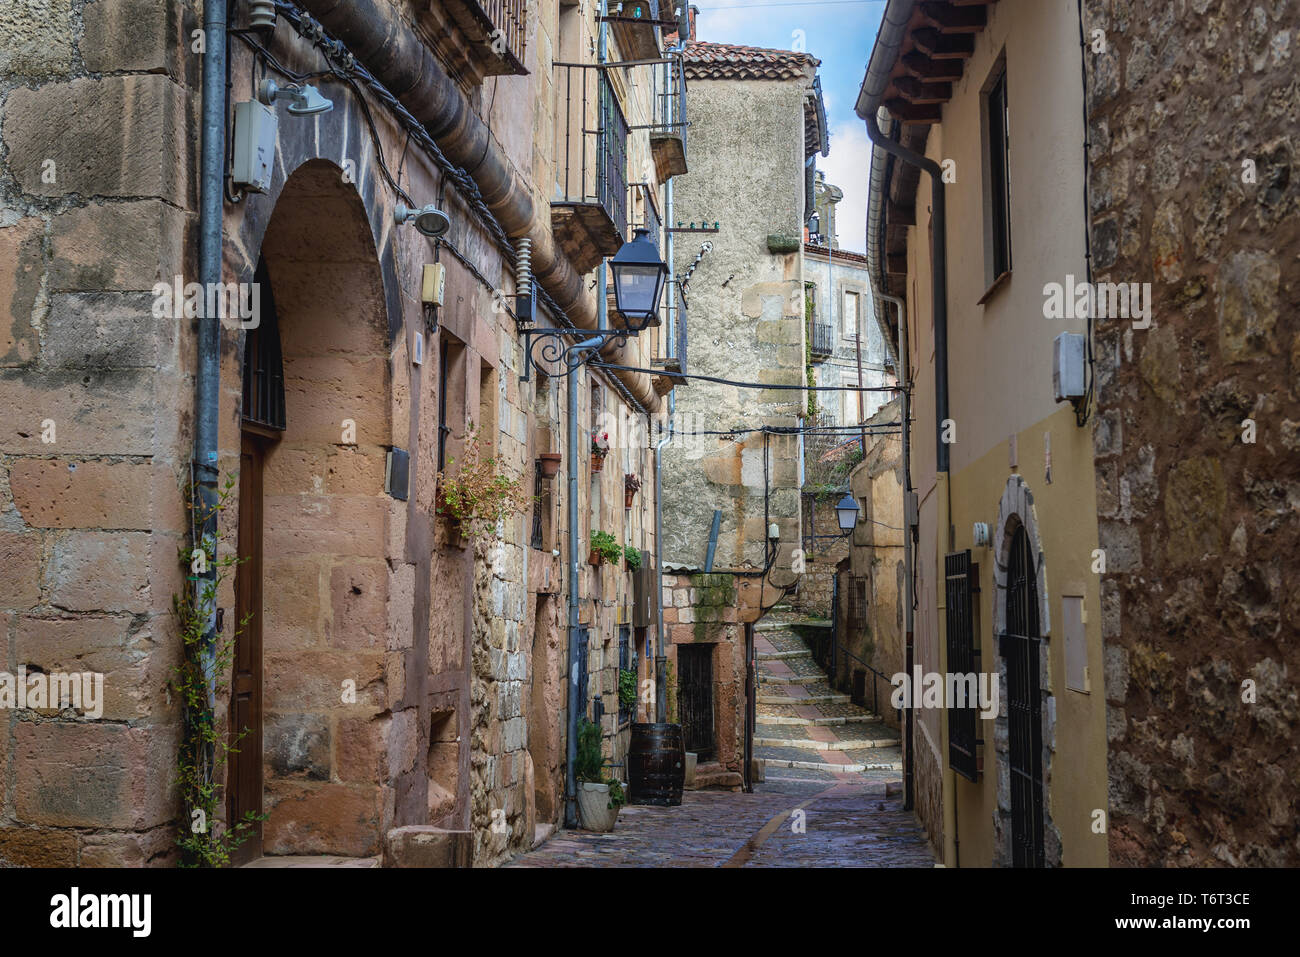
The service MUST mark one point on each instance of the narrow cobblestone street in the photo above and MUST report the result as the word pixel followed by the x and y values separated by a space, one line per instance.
pixel 831 795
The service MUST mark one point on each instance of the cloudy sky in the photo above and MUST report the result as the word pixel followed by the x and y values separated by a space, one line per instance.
pixel 840 34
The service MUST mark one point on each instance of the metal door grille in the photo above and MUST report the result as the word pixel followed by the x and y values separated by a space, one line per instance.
pixel 263 362
pixel 695 697
pixel 1020 647
pixel 959 608
pixel 582 668
pixel 626 662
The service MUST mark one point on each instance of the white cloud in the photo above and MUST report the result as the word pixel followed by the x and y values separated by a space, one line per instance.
pixel 849 167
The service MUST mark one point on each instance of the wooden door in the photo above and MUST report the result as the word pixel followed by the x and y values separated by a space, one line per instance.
pixel 695 698
pixel 244 775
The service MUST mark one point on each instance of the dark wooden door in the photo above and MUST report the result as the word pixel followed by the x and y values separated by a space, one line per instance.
pixel 244 775
pixel 695 698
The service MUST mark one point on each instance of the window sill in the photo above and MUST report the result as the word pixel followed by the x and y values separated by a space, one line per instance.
pixel 997 284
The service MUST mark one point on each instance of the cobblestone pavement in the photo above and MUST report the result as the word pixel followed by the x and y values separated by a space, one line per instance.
pixel 795 818
pixel 831 797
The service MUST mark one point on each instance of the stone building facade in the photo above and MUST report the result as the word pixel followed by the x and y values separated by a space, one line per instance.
pixel 407 681
pixel 744 291
pixel 1192 123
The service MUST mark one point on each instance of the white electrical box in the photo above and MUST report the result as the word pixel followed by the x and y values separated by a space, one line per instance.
pixel 255 126
pixel 433 283
pixel 1068 366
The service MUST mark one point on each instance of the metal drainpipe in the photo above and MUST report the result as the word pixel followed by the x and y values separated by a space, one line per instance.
pixel 888 41
pixel 207 386
pixel 661 659
pixel 574 705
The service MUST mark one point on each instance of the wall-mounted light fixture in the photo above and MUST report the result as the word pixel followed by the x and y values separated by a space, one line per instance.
pixel 639 276
pixel 846 513
pixel 429 220
pixel 304 99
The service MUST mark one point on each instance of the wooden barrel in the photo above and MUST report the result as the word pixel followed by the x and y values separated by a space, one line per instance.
pixel 656 764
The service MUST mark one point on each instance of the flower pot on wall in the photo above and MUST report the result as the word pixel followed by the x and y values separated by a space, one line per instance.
pixel 595 558
pixel 549 462
pixel 597 462
pixel 593 807
pixel 628 495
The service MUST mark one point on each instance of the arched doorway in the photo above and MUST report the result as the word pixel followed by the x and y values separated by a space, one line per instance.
pixel 1020 648
pixel 309 675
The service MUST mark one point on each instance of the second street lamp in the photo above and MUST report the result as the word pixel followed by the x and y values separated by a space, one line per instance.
pixel 639 276
pixel 846 512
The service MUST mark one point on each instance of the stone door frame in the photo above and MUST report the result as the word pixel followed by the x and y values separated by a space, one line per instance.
pixel 1016 509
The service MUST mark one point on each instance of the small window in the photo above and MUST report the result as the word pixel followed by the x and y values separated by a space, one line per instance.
pixel 997 173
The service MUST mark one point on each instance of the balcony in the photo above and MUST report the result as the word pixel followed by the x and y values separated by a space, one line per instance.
pixel 668 132
pixel 821 340
pixel 635 25
pixel 478 39
pixel 589 212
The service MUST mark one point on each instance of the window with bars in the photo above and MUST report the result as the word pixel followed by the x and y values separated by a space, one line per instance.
pixel 858 599
pixel 541 502
pixel 582 668
pixel 961 587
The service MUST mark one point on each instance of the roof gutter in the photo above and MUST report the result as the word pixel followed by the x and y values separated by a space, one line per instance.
pixel 893 29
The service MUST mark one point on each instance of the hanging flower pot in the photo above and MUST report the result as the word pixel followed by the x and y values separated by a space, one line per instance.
pixel 597 461
pixel 549 463
pixel 599 449
pixel 631 485
pixel 595 558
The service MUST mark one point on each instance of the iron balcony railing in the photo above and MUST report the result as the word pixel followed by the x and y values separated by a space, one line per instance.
pixel 677 323
pixel 591 141
pixel 670 98
pixel 510 17
pixel 821 339
pixel 650 218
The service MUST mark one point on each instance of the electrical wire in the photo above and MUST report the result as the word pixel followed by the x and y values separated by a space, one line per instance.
pixel 752 385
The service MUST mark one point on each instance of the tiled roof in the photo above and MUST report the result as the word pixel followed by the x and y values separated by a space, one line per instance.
pixel 729 61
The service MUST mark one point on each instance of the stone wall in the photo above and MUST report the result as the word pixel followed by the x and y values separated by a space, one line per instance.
pixel 1192 112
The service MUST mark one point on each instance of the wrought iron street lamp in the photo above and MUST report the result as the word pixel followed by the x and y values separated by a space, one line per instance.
pixel 639 276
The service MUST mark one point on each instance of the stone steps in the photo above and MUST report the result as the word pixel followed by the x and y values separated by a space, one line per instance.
pixel 782 655
pixel 842 768
pixel 789 679
pixel 779 719
pixel 810 745
pixel 810 699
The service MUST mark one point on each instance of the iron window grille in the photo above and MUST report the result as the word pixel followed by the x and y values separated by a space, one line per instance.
pixel 961 585
pixel 626 662
pixel 582 668
pixel 1021 647
pixel 263 372
pixel 539 503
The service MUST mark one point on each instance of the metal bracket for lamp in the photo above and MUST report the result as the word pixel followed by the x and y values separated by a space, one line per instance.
pixel 545 348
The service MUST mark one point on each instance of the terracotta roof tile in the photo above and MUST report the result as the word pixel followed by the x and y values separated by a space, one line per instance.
pixel 729 61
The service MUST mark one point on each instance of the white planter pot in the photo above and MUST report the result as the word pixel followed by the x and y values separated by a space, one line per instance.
pixel 593 807
pixel 691 758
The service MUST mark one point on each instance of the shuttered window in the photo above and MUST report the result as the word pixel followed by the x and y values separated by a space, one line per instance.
pixel 962 584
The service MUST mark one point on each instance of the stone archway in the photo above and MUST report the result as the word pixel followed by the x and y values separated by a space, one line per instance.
pixel 1016 513
pixel 325 573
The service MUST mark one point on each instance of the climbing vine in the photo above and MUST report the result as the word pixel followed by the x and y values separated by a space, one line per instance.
pixel 199 683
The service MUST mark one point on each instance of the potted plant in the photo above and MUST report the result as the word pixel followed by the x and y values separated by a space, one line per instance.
pixel 549 463
pixel 478 495
pixel 631 485
pixel 599 449
pixel 627 689
pixel 632 557
pixel 599 797
pixel 604 547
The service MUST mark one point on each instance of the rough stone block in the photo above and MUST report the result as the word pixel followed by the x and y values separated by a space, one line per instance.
pixel 20 557
pixel 118 246
pixel 20 283
pixel 298 745
pixel 137 36
pixel 100 571
pixel 358 595
pixel 64 493
pixel 37 847
pixel 93 412
pixel 308 818
pixel 36 37
pixel 422 846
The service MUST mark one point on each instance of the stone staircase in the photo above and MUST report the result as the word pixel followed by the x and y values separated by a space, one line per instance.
pixel 803 723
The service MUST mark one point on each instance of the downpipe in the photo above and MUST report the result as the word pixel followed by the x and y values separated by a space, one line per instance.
pixel 573 596
pixel 207 380
pixel 661 659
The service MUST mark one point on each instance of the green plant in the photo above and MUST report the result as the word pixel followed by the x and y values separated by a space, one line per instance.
pixel 198 683
pixel 617 798
pixel 633 557
pixel 589 765
pixel 626 687
pixel 606 546
pixel 478 495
